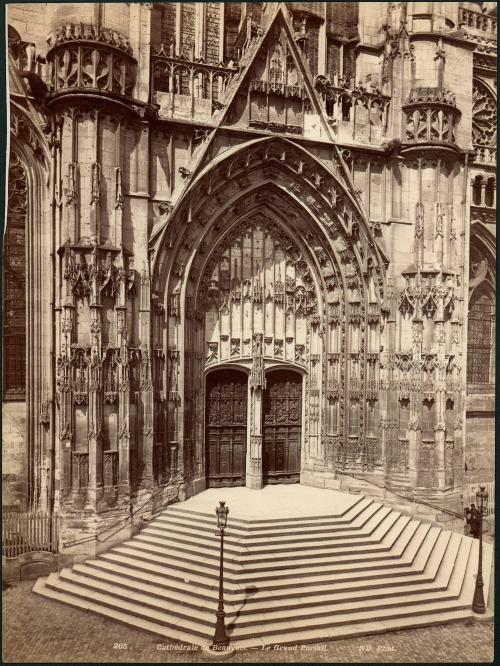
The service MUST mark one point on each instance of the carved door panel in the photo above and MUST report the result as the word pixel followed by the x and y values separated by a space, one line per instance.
pixel 226 428
pixel 282 413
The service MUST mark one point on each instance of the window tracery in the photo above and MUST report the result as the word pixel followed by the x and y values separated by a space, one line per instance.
pixel 484 116
pixel 14 312
pixel 480 339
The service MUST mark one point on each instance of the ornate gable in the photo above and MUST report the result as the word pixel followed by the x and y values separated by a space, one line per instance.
pixel 276 91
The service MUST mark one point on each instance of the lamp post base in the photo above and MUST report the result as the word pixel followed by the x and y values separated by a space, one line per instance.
pixel 221 639
pixel 478 600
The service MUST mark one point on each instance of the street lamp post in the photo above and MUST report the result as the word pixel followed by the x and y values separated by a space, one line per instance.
pixel 478 600
pixel 221 639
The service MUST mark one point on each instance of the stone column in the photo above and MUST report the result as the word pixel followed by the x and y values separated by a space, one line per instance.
pixel 95 399
pixel 123 404
pixel 414 426
pixel 257 385
pixel 483 192
pixel 442 363
pixel 254 450
pixel 146 385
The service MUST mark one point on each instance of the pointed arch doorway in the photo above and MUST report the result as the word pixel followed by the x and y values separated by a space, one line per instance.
pixel 282 427
pixel 266 274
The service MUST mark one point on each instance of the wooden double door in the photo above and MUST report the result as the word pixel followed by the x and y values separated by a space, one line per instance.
pixel 227 426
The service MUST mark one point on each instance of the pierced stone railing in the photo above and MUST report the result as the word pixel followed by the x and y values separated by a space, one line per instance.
pixel 477 21
pixel 82 56
pixel 185 87
pixel 356 110
pixel 431 115
pixel 485 155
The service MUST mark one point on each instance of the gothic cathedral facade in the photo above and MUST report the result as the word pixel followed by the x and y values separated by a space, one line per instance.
pixel 247 243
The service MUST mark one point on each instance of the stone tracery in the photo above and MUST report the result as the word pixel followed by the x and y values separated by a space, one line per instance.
pixel 484 116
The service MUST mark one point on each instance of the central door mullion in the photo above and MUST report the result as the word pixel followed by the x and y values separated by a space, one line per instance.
pixel 254 452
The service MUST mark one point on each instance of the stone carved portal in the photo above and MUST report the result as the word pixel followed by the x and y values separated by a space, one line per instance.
pixel 268 264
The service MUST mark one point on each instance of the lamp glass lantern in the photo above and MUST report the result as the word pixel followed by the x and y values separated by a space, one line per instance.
pixel 222 511
pixel 482 499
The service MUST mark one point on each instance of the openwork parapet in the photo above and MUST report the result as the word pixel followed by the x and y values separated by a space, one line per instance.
pixel 187 87
pixel 358 110
pixel 85 57
pixel 431 115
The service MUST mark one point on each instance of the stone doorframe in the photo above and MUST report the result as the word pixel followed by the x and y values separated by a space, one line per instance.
pixel 253 463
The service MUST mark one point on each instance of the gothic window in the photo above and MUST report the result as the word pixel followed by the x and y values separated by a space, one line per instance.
pixel 483 191
pixel 484 116
pixel 490 192
pixel 14 281
pixel 480 338
pixel 476 191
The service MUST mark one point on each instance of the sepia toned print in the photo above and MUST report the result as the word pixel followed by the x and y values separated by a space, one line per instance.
pixel 249 332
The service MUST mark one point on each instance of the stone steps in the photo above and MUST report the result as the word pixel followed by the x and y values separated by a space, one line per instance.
pixel 371 570
pixel 355 517
pixel 328 527
pixel 100 580
pixel 198 563
pixel 386 532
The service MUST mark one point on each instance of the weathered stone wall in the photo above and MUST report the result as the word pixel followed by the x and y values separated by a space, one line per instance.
pixel 31 20
pixel 480 440
pixel 212 46
pixel 14 456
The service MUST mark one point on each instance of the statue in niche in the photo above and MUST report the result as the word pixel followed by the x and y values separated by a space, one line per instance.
pixel 300 299
pixel 246 290
pixel 292 76
pixel 276 68
pixel 279 290
pixel 224 274
pixel 257 345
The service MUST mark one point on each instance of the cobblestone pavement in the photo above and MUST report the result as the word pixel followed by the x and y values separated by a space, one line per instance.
pixel 40 630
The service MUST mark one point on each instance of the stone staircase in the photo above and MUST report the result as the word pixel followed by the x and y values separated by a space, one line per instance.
pixel 367 570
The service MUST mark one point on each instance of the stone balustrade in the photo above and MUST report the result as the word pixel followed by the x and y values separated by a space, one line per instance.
pixel 185 87
pixel 485 155
pixel 356 110
pixel 478 21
